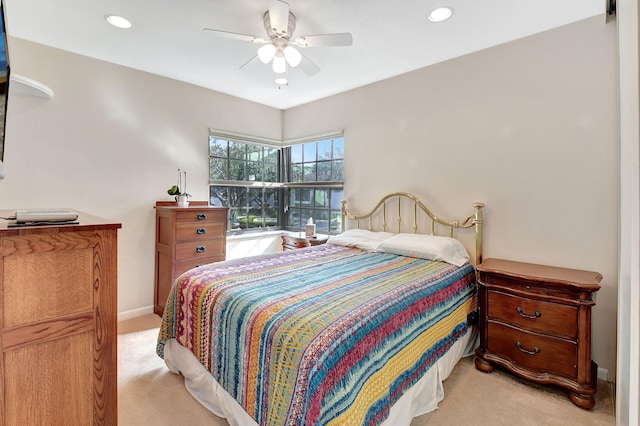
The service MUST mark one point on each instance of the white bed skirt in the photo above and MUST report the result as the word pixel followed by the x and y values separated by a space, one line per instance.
pixel 421 398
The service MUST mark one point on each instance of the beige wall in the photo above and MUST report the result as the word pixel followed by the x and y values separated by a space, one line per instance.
pixel 109 142
pixel 529 128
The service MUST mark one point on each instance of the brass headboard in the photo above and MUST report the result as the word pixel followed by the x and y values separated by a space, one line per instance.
pixel 474 220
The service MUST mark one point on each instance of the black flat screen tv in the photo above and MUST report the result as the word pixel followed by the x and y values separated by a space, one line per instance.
pixel 4 87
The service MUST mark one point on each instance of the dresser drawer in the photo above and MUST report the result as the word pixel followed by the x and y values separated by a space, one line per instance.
pixel 184 266
pixel 198 231
pixel 546 317
pixel 532 350
pixel 200 249
pixel 202 215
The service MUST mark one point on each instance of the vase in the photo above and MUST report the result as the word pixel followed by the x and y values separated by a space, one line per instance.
pixel 183 201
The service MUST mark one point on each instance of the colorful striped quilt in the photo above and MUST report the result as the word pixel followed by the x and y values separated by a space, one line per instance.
pixel 319 336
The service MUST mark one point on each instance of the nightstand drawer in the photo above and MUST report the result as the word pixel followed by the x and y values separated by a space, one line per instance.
pixel 546 317
pixel 533 351
pixel 199 231
pixel 200 249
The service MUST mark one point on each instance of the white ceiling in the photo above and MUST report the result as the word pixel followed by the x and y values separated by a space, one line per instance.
pixel 391 37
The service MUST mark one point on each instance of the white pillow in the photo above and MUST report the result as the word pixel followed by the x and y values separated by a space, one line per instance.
pixel 360 238
pixel 429 247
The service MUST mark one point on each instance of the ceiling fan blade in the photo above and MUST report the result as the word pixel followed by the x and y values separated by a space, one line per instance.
pixel 236 36
pixel 252 59
pixel 338 39
pixel 279 16
pixel 308 67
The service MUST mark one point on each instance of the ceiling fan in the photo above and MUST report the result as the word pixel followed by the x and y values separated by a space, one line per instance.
pixel 280 47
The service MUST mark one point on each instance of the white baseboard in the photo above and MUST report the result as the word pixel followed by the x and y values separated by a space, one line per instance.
pixel 603 374
pixel 135 313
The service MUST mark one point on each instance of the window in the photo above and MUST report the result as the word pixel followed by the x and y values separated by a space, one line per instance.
pixel 315 185
pixel 267 187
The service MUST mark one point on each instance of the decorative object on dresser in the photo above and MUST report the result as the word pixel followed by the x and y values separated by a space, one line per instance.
pixel 291 242
pixel 58 358
pixel 179 191
pixel 186 237
pixel 535 321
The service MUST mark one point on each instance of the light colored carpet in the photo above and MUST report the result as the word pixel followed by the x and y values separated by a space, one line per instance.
pixel 148 394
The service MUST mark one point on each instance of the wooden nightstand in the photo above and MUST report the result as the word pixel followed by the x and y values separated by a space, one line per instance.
pixel 291 242
pixel 535 321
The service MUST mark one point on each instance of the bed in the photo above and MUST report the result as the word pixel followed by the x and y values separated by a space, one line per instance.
pixel 361 330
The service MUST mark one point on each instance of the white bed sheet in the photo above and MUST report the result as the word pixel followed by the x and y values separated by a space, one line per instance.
pixel 421 398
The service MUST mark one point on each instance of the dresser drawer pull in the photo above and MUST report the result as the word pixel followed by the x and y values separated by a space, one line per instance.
pixel 201 249
pixel 202 216
pixel 523 315
pixel 535 350
pixel 201 231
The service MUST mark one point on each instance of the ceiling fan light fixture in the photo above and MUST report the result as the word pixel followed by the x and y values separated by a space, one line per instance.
pixel 279 65
pixel 266 53
pixel 440 14
pixel 292 56
pixel 281 81
pixel 118 21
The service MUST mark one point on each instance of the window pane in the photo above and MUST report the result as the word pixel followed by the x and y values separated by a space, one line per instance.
pixel 296 154
pixel 321 220
pixel 338 148
pixel 324 171
pixel 237 150
pixel 294 219
pixel 306 197
pixel 294 198
pixel 270 172
pixel 324 150
pixel 271 155
pixel 338 171
pixel 235 215
pixel 296 173
pixel 271 207
pixel 309 152
pixel 218 168
pixel 237 170
pixel 322 198
pixel 219 196
pixel 255 218
pixel 254 171
pixel 255 197
pixel 309 172
pixel 217 147
pixel 337 195
pixel 254 153
pixel 237 197
pixel 336 222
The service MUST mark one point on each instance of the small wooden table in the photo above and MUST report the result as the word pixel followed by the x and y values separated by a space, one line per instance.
pixel 292 242
pixel 535 321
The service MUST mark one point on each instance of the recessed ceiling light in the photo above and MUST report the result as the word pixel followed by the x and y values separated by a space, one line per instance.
pixel 118 21
pixel 440 14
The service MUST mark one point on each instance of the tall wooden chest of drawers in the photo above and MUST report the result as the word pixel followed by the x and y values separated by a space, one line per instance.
pixel 535 321
pixel 58 323
pixel 186 237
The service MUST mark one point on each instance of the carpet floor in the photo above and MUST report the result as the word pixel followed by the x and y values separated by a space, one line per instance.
pixel 149 394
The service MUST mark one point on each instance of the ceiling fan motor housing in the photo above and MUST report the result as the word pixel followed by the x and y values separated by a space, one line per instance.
pixel 275 33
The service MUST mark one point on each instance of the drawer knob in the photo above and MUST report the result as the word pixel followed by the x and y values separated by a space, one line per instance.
pixel 200 231
pixel 535 350
pixel 202 216
pixel 201 249
pixel 523 315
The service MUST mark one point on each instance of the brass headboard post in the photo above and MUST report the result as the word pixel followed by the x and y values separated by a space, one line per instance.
pixel 475 220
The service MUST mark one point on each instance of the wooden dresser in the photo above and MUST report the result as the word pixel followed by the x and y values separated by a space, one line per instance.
pixel 535 320
pixel 291 242
pixel 58 291
pixel 186 237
